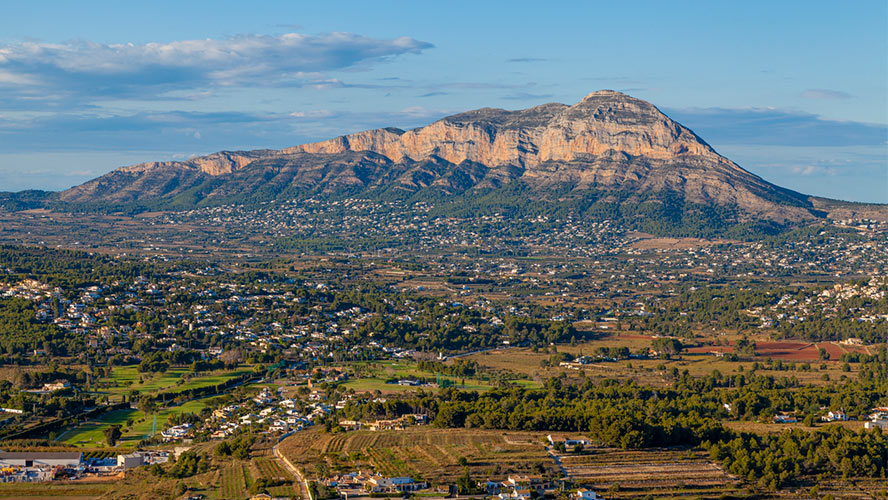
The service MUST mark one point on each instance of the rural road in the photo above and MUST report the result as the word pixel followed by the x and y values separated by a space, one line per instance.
pixel 462 355
pixel 557 460
pixel 290 467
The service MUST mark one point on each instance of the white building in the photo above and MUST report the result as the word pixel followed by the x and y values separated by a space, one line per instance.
pixel 584 494
pixel 380 484
pixel 40 459
pixel 876 423
pixel 130 461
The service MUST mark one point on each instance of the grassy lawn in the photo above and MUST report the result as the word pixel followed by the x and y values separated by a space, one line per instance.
pixel 213 378
pixel 373 384
pixel 127 378
pixel 90 434
pixel 375 373
pixel 142 429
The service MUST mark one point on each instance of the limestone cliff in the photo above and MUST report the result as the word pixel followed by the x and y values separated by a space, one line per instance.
pixel 607 141
pixel 603 121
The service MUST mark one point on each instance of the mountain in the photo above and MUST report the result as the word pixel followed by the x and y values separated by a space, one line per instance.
pixel 609 153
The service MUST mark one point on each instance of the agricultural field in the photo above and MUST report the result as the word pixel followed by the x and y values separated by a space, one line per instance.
pixel 270 468
pixel 791 350
pixel 639 473
pixel 432 454
pixel 55 490
pixel 232 481
pixel 372 376
pixel 698 361
pixel 669 473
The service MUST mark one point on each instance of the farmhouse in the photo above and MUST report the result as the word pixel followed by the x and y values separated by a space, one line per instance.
pixel 584 494
pixel 58 385
pixel 567 441
pixel 876 423
pixel 383 484
pixel 835 416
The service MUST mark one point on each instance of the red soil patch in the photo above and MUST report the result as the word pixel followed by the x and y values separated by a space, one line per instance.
pixel 834 350
pixel 790 351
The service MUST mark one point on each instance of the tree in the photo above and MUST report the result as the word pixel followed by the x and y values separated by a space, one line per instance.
pixel 465 485
pixel 809 420
pixel 667 346
pixel 222 449
pixel 146 405
pixel 112 434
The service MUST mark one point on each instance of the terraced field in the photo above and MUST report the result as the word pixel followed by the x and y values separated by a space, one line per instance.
pixel 663 473
pixel 433 454
pixel 232 481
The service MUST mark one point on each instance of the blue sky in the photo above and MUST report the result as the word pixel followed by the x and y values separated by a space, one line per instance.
pixel 792 91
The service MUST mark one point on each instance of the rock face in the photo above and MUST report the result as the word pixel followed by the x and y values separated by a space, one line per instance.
pixel 606 141
pixel 603 121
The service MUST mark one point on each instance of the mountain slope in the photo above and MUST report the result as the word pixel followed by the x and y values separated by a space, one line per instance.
pixel 608 148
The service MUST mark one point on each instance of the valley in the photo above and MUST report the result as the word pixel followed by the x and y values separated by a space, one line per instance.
pixel 568 300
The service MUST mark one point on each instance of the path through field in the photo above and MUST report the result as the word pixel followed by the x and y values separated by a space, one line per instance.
pixel 285 462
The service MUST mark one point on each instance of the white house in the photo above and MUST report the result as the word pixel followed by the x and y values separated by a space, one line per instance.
pixel 876 423
pixel 584 494
pixel 380 484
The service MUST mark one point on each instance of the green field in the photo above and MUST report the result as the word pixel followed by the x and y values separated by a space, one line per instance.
pixel 56 489
pixel 124 379
pixel 90 434
pixel 373 375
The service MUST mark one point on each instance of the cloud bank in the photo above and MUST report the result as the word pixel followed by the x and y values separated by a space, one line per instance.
pixel 88 71
pixel 825 94
pixel 777 128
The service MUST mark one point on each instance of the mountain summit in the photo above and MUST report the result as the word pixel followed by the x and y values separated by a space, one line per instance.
pixel 609 148
pixel 603 121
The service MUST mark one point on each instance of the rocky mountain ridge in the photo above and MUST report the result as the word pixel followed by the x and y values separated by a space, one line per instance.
pixel 606 143
pixel 603 121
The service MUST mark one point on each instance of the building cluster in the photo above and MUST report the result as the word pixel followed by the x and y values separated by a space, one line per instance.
pixel 878 419
pixel 361 483
pixel 399 423
pixel 39 466
pixel 514 487
pixel 266 412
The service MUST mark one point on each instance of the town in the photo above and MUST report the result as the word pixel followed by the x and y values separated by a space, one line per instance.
pixel 273 374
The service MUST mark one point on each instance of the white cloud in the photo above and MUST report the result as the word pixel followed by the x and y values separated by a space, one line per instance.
pixel 86 70
pixel 825 94
pixel 769 126
pixel 813 170
pixel 7 77
pixel 318 113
